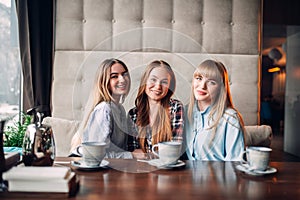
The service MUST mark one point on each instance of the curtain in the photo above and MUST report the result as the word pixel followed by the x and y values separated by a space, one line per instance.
pixel 35 21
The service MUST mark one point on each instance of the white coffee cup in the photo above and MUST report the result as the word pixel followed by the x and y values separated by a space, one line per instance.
pixel 257 157
pixel 92 152
pixel 168 152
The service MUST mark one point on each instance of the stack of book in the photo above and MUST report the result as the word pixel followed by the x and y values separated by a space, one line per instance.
pixel 11 159
pixel 35 179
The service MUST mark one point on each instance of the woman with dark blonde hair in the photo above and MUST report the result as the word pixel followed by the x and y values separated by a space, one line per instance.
pixel 214 129
pixel 105 116
pixel 156 117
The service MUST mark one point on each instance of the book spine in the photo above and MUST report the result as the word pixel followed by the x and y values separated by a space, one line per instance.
pixel 58 186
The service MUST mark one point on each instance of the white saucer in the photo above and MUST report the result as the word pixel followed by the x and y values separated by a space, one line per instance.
pixel 159 164
pixel 81 165
pixel 245 168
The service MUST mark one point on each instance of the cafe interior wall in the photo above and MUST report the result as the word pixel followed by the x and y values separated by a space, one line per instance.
pixel 281 30
pixel 292 92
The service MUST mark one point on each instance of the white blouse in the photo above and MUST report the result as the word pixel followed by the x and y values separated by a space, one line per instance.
pixel 107 123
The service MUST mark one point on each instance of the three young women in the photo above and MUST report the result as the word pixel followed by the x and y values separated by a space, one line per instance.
pixel 213 126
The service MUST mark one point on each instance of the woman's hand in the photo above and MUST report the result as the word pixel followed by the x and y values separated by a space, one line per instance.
pixel 139 154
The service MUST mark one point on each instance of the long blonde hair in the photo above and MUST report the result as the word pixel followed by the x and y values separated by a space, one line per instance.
pixel 217 71
pixel 161 128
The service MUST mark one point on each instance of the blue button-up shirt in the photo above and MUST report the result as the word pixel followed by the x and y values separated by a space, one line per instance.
pixel 224 144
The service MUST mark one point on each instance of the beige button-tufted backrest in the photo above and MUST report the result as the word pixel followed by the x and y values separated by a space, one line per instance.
pixel 181 32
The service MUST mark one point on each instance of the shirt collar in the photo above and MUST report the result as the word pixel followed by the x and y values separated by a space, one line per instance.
pixel 196 108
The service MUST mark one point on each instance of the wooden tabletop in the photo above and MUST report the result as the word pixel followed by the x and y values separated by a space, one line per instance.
pixel 130 179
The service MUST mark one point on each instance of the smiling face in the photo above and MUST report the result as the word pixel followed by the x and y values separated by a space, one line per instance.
pixel 158 84
pixel 119 81
pixel 205 90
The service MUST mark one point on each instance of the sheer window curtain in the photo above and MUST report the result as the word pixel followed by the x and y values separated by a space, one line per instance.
pixel 36 22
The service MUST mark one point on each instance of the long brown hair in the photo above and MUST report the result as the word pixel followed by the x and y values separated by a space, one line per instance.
pixel 161 128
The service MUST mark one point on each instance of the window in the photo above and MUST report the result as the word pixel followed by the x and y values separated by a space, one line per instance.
pixel 10 64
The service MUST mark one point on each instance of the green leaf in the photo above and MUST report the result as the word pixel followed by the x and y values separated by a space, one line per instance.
pixel 14 134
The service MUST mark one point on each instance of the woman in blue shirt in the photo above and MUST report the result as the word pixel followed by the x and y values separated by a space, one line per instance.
pixel 214 129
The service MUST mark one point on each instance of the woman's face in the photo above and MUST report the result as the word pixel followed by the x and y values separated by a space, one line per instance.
pixel 119 81
pixel 158 84
pixel 205 90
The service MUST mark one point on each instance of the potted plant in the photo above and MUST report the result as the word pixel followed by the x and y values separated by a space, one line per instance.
pixel 14 133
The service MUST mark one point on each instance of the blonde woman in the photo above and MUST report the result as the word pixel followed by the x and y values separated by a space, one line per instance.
pixel 105 117
pixel 214 129
pixel 156 117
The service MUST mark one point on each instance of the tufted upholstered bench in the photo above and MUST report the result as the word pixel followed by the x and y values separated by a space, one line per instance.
pixel 183 33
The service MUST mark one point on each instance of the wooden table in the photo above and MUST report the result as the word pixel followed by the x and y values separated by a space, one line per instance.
pixel 129 179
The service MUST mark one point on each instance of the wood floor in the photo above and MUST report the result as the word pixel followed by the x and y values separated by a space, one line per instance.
pixel 278 155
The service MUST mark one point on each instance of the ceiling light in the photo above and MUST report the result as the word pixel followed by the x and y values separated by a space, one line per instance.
pixel 274 69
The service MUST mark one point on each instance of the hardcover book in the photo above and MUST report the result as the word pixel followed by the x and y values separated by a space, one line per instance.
pixel 41 180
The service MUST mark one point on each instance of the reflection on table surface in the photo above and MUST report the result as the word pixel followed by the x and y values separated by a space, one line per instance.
pixel 130 179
